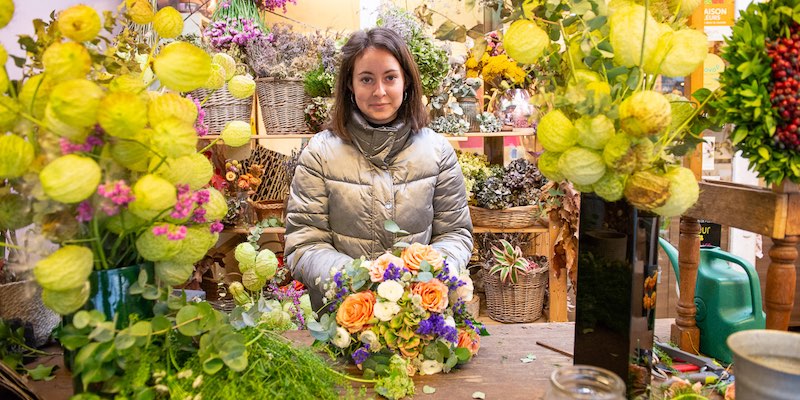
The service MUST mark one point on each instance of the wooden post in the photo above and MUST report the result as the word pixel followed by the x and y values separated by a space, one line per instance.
pixel 781 273
pixel 557 281
pixel 684 331
pixel 493 146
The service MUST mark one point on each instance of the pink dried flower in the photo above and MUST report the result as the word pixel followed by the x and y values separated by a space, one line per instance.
pixel 216 227
pixel 85 212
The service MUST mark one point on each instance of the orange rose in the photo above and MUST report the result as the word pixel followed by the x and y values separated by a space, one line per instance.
pixel 433 293
pixel 469 340
pixel 378 267
pixel 355 311
pixel 415 254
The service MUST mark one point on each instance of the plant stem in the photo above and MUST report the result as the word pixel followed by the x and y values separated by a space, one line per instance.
pixel 98 244
pixel 213 142
pixel 352 378
pixel 569 57
pixel 11 246
pixel 187 322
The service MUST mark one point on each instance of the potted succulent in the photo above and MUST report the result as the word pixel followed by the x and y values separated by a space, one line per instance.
pixel 514 285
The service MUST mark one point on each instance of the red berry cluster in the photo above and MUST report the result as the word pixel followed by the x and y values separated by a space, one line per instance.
pixel 784 88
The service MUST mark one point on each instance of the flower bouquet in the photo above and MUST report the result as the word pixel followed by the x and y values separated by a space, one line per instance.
pixel 400 314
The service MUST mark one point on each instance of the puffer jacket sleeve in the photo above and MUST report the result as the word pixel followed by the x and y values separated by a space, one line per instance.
pixel 452 225
pixel 310 254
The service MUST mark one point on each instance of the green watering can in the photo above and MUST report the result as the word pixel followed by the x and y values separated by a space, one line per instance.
pixel 728 298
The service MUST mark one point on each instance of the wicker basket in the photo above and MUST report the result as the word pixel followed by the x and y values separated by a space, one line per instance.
pixel 22 302
pixel 283 103
pixel 519 302
pixel 266 209
pixel 514 217
pixel 222 108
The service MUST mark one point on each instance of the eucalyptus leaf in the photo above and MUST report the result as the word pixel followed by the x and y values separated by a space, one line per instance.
pixel 81 319
pixel 187 321
pixel 103 332
pixel 424 276
pixel 151 292
pixel 391 226
pixel 160 324
pixel 124 340
pixel 479 395
pixel 428 389
pixel 41 373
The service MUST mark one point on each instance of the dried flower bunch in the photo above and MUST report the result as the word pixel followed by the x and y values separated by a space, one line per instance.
pixel 283 53
pixel 241 181
pixel 518 184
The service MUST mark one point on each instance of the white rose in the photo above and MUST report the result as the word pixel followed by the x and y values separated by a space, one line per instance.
pixel 371 339
pixel 465 291
pixel 342 338
pixel 430 367
pixel 385 310
pixel 391 290
pixel 449 321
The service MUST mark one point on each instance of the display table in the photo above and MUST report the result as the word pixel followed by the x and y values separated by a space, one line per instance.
pixel 497 371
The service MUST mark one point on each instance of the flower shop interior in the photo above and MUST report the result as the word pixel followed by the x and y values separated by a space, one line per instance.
pixel 631 171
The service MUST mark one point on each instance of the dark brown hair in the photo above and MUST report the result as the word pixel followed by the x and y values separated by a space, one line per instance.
pixel 412 111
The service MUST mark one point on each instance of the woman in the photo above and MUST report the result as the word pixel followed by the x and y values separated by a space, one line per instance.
pixel 376 162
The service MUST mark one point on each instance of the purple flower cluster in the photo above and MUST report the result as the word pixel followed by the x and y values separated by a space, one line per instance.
pixel 200 125
pixel 393 272
pixel 293 294
pixel 172 234
pixel 361 355
pixel 436 326
pixel 224 33
pixel 68 147
pixel 217 227
pixel 118 192
pixel 452 282
pixel 85 211
pixel 341 290
pixel 271 5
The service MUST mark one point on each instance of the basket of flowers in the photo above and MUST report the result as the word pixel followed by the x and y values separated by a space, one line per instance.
pixel 502 197
pixel 399 314
pixel 514 285
pixel 280 61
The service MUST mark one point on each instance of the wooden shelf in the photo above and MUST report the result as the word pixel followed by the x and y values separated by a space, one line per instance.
pixel 243 231
pixel 281 136
pixel 532 229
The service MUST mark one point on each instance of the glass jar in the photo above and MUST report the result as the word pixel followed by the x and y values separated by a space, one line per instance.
pixel 514 108
pixel 585 382
pixel 470 107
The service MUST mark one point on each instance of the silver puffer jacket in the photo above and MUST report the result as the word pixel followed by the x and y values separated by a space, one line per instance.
pixel 343 192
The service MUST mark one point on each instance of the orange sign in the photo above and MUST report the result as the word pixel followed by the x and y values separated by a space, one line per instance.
pixel 718 12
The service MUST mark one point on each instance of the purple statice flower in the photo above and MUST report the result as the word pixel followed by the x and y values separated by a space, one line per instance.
pixel 159 230
pixel 85 212
pixel 216 227
pixel 223 33
pixel 199 198
pixel 272 5
pixel 361 355
pixel 452 282
pixel 393 272
pixel 67 147
pixel 185 203
pixel 436 326
pixel 341 290
pixel 289 292
pixel 199 215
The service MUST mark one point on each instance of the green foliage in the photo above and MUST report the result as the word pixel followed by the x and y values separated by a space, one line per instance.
pixel 14 350
pixel 318 83
pixel 396 384
pixel 745 101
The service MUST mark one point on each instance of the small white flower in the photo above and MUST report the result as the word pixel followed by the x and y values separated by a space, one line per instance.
pixel 371 339
pixel 198 396
pixel 406 277
pixel 391 290
pixel 430 367
pixel 184 374
pixel 385 310
pixel 465 292
pixel 197 382
pixel 342 338
pixel 416 299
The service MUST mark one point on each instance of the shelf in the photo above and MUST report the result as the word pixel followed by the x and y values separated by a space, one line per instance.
pixel 281 136
pixel 532 229
pixel 243 231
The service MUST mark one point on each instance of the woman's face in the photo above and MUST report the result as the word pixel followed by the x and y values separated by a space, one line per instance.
pixel 378 85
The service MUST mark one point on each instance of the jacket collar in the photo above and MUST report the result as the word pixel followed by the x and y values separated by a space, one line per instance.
pixel 378 144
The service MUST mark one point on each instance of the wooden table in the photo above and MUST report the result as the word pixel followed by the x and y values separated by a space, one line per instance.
pixel 497 371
